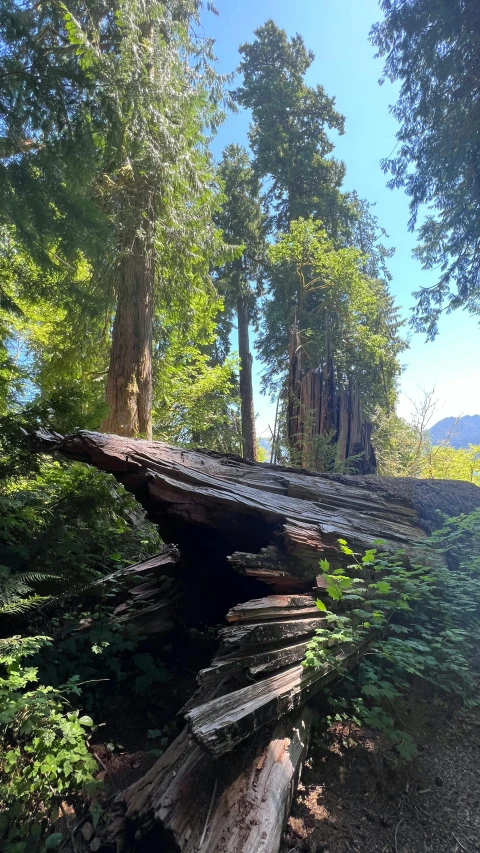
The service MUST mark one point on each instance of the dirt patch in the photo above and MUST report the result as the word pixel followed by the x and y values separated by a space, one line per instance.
pixel 353 800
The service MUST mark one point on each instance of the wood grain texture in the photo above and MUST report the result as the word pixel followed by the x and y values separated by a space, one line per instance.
pixel 252 794
pixel 304 514
pixel 273 607
pixel 221 724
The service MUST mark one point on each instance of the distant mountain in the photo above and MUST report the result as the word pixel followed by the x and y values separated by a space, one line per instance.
pixel 459 434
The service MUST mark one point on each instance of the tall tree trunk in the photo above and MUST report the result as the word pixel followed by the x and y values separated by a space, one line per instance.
pixel 246 386
pixel 129 382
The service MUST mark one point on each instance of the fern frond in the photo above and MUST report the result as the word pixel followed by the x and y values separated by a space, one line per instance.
pixel 16 646
pixel 22 605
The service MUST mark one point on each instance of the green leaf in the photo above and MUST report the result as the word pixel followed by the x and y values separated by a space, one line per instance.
pixel 53 840
pixel 320 604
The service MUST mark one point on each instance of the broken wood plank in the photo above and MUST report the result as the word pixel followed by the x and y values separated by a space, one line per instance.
pixel 259 661
pixel 271 661
pixel 234 805
pixel 273 607
pixel 221 724
pixel 245 634
pixel 150 609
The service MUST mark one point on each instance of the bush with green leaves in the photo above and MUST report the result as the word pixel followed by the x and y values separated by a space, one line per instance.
pixel 459 539
pixel 63 527
pixel 66 525
pixel 44 753
pixel 107 658
pixel 415 620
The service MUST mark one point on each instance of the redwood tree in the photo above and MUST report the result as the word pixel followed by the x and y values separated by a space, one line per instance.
pixel 105 105
pixel 240 279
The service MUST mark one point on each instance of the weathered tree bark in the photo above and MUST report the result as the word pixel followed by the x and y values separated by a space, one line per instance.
pixel 237 804
pixel 249 439
pixel 223 723
pixel 285 519
pixel 319 406
pixel 129 382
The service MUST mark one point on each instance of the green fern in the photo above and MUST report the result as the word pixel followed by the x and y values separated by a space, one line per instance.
pixel 17 596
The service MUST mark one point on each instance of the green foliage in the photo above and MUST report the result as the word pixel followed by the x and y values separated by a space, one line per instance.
pixel 289 134
pixel 62 527
pixel 44 752
pixel 111 148
pixel 459 539
pixel 443 462
pixel 70 522
pixel 431 48
pixel 195 400
pixel 243 225
pixel 399 445
pixel 416 621
pixel 104 655
pixel 327 284
pixel 404 449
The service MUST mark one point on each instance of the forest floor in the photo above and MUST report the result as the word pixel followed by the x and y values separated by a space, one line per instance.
pixel 352 799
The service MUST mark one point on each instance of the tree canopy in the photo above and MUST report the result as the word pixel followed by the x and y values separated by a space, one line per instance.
pixel 432 47
pixel 108 107
pixel 325 287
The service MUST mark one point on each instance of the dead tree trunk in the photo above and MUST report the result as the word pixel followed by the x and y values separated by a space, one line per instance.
pixel 236 805
pixel 250 538
pixel 249 440
pixel 325 422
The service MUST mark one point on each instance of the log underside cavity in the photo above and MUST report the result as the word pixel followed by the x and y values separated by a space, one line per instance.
pixel 246 540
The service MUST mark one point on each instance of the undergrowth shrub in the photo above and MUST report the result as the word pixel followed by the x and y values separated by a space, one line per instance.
pixel 107 659
pixel 44 753
pixel 459 539
pixel 414 621
pixel 70 524
pixel 63 528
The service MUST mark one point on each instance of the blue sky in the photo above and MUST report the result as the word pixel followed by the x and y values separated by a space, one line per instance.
pixel 337 32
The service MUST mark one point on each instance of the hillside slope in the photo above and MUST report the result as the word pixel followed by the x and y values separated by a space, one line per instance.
pixel 461 434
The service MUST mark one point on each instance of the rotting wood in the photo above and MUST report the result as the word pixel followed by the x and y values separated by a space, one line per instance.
pixel 162 563
pixel 259 660
pixel 270 567
pixel 222 494
pixel 273 607
pixel 318 409
pixel 252 791
pixel 149 608
pixel 258 633
pixel 221 724
pixel 284 520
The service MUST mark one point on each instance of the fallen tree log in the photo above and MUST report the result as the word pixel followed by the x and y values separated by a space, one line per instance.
pixel 222 723
pixel 191 802
pixel 301 513
pixel 250 538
